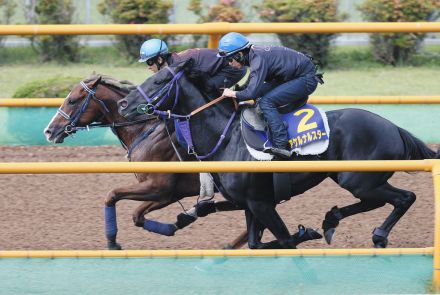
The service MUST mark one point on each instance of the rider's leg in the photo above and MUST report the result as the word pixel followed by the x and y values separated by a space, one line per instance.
pixel 285 93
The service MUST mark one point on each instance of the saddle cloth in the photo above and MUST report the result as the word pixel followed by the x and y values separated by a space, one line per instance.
pixel 308 131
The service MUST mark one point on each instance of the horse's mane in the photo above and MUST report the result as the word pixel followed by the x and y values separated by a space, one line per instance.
pixel 121 85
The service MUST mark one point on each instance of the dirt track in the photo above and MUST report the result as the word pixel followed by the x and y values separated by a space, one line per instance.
pixel 66 211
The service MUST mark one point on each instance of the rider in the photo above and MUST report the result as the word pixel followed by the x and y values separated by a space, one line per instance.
pixel 209 72
pixel 278 76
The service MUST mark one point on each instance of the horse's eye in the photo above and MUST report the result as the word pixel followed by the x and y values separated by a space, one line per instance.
pixel 71 102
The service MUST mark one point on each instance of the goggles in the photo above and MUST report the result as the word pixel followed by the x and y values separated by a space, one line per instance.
pixel 222 53
pixel 150 62
pixel 235 56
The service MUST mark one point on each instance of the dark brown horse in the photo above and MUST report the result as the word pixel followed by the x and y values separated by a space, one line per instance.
pixel 94 101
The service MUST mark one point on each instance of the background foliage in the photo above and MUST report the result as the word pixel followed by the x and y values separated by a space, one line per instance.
pixel 59 48
pixel 398 48
pixel 53 87
pixel 7 9
pixel 222 11
pixel 316 45
pixel 135 12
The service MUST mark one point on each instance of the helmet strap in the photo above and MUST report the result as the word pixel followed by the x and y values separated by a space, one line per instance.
pixel 161 63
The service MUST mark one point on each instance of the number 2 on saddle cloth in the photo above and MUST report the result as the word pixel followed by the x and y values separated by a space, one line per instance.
pixel 305 125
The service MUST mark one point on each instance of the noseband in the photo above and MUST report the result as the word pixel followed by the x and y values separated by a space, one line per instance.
pixel 71 127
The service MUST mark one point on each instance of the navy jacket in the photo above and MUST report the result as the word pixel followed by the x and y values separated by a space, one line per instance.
pixel 273 63
pixel 205 61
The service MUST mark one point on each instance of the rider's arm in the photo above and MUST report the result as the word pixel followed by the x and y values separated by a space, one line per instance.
pixel 258 73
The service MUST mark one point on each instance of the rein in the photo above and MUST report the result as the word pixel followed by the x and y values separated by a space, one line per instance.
pixel 182 121
pixel 207 105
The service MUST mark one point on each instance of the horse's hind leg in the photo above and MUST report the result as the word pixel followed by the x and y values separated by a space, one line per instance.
pixel 385 193
pixel 335 215
pixel 402 201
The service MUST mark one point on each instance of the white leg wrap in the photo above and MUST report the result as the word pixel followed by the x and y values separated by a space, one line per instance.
pixel 192 212
pixel 206 186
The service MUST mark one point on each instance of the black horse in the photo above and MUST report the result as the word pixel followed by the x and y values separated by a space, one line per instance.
pixel 355 135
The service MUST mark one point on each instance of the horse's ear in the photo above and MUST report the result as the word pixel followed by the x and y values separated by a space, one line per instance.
pixel 185 65
pixel 97 81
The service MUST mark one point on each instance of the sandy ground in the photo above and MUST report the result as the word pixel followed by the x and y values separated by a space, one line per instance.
pixel 66 211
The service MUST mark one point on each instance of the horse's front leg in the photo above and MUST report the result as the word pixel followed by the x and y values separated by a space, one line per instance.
pixel 143 191
pixel 139 219
pixel 265 214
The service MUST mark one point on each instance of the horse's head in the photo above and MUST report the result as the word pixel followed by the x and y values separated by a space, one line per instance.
pixel 86 103
pixel 158 92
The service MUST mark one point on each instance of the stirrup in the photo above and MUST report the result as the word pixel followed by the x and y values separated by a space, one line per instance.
pixel 281 153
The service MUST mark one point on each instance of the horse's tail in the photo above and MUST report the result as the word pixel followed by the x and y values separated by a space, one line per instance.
pixel 415 149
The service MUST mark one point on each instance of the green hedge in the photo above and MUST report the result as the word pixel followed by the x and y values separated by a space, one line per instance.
pixel 55 87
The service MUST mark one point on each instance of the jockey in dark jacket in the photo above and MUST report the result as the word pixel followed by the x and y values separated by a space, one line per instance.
pixel 207 71
pixel 278 76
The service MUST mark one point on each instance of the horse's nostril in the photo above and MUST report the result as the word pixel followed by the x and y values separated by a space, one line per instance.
pixel 123 104
pixel 47 132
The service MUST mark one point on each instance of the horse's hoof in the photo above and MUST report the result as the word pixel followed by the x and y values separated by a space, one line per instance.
pixel 313 234
pixel 380 242
pixel 114 246
pixel 328 234
pixel 228 247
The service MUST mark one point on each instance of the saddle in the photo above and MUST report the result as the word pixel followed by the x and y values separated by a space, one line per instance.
pixel 307 129
pixel 308 134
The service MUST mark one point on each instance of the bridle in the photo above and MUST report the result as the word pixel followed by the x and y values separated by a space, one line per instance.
pixel 71 126
pixel 73 119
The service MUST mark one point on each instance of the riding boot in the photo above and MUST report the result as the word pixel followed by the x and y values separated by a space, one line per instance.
pixel 279 152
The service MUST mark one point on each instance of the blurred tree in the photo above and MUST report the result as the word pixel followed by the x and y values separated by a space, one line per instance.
pixel 398 48
pixel 7 10
pixel 223 11
pixel 306 11
pixel 61 48
pixel 135 12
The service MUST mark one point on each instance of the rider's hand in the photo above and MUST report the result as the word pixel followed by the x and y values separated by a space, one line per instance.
pixel 229 93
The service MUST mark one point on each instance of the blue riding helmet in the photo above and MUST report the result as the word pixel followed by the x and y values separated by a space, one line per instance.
pixel 152 48
pixel 232 43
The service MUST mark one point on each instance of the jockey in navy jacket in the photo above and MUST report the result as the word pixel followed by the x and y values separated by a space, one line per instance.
pixel 207 71
pixel 278 76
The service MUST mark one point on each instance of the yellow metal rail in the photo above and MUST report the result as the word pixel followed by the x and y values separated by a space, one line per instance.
pixel 31 102
pixel 215 30
pixel 195 167
pixel 436 272
pixel 211 253
pixel 221 28
pixel 429 99
pixel 184 167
